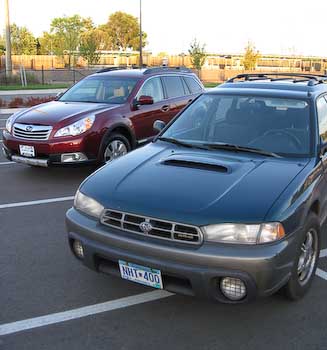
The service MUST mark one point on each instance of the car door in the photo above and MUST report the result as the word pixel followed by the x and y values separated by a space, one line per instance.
pixel 177 95
pixel 145 115
pixel 322 125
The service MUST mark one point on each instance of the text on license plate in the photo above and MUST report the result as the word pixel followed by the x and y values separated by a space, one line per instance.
pixel 140 274
pixel 27 151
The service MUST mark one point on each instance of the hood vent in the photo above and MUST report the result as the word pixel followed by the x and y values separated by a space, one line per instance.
pixel 210 165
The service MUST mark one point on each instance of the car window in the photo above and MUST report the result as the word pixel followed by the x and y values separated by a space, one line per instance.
pixel 174 86
pixel 278 125
pixel 100 90
pixel 193 85
pixel 322 118
pixel 153 88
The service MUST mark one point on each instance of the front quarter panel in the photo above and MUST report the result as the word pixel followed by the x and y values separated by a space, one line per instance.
pixel 294 204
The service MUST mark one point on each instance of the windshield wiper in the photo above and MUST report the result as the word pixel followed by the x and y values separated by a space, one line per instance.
pixel 232 147
pixel 181 143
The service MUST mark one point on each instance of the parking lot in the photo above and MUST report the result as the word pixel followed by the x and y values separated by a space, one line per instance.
pixel 83 310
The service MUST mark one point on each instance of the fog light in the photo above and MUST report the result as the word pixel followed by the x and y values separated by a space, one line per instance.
pixel 78 249
pixel 73 157
pixel 233 288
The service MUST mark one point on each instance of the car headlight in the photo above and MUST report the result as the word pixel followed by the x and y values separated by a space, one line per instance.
pixel 244 234
pixel 87 205
pixel 76 128
pixel 9 123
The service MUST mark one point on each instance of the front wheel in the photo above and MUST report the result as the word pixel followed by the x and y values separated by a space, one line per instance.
pixel 306 261
pixel 116 146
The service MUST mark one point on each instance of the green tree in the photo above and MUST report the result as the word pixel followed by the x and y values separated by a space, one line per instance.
pixel 197 54
pixel 251 57
pixel 22 41
pixel 90 43
pixel 65 34
pixel 2 45
pixel 123 32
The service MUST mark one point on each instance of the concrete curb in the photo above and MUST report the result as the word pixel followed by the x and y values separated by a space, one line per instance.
pixel 10 110
pixel 30 92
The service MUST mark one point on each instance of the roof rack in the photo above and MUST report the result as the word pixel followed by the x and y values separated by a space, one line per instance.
pixel 109 69
pixel 311 79
pixel 167 69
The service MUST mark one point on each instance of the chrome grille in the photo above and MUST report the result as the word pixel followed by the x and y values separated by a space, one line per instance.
pixel 159 228
pixel 32 132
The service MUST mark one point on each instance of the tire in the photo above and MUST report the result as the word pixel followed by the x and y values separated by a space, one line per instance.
pixel 115 146
pixel 300 282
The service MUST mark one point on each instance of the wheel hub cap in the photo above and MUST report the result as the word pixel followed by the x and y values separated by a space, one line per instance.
pixel 115 149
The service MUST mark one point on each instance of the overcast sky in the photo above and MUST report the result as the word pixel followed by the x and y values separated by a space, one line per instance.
pixel 275 26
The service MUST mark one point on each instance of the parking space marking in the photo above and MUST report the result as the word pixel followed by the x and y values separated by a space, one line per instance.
pixel 322 274
pixel 323 253
pixel 36 202
pixel 7 163
pixel 19 326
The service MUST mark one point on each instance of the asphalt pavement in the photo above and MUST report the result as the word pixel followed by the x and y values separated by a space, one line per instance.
pixel 40 277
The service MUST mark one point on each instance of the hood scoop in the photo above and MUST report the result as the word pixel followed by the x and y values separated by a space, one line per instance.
pixel 196 163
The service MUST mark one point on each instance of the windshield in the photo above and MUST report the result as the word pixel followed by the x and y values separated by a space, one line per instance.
pixel 100 90
pixel 275 125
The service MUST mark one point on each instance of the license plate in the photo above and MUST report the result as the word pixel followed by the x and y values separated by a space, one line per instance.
pixel 140 274
pixel 26 151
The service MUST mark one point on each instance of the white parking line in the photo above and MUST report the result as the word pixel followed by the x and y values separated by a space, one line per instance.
pixel 322 274
pixel 14 327
pixel 41 201
pixel 323 253
pixel 7 163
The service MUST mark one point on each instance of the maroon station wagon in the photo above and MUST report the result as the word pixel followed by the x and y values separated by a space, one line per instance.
pixel 100 118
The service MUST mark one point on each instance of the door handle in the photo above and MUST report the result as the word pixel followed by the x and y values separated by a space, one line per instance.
pixel 165 108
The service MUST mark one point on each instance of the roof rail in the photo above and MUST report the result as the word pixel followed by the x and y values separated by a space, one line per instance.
pixel 109 69
pixel 167 69
pixel 311 79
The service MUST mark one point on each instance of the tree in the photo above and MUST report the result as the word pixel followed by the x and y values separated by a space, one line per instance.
pixel 22 41
pixel 65 34
pixel 251 57
pixel 123 32
pixel 2 45
pixel 198 54
pixel 91 42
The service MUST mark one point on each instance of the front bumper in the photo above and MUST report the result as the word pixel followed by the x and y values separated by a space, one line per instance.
pixel 186 270
pixel 47 153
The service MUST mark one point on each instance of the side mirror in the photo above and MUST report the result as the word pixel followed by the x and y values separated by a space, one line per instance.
pixel 59 94
pixel 145 100
pixel 159 125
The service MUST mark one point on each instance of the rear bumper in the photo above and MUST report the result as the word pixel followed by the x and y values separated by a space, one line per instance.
pixel 185 270
pixel 48 153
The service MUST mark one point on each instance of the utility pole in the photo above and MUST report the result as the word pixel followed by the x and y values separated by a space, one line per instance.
pixel 141 36
pixel 8 41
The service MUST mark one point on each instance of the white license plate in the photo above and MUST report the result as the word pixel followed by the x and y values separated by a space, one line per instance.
pixel 140 274
pixel 26 151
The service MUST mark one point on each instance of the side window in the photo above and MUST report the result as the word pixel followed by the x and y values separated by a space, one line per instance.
pixel 193 85
pixel 153 88
pixel 174 86
pixel 322 118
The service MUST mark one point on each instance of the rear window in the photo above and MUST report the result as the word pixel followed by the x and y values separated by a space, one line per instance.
pixel 193 85
pixel 174 86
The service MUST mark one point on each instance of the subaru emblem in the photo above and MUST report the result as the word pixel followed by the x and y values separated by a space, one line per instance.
pixel 29 128
pixel 145 226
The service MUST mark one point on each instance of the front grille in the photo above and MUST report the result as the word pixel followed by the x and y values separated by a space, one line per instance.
pixel 32 132
pixel 157 228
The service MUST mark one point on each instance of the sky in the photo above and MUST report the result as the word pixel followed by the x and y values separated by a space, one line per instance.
pixel 275 26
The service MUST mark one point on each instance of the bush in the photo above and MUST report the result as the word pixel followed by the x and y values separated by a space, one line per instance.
pixel 29 102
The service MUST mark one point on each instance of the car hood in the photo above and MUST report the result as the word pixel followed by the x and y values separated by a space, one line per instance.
pixel 55 112
pixel 196 187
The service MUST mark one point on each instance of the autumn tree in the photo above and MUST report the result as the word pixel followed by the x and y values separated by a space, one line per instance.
pixel 2 45
pixel 65 35
pixel 123 32
pixel 251 56
pixel 22 41
pixel 91 42
pixel 197 54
